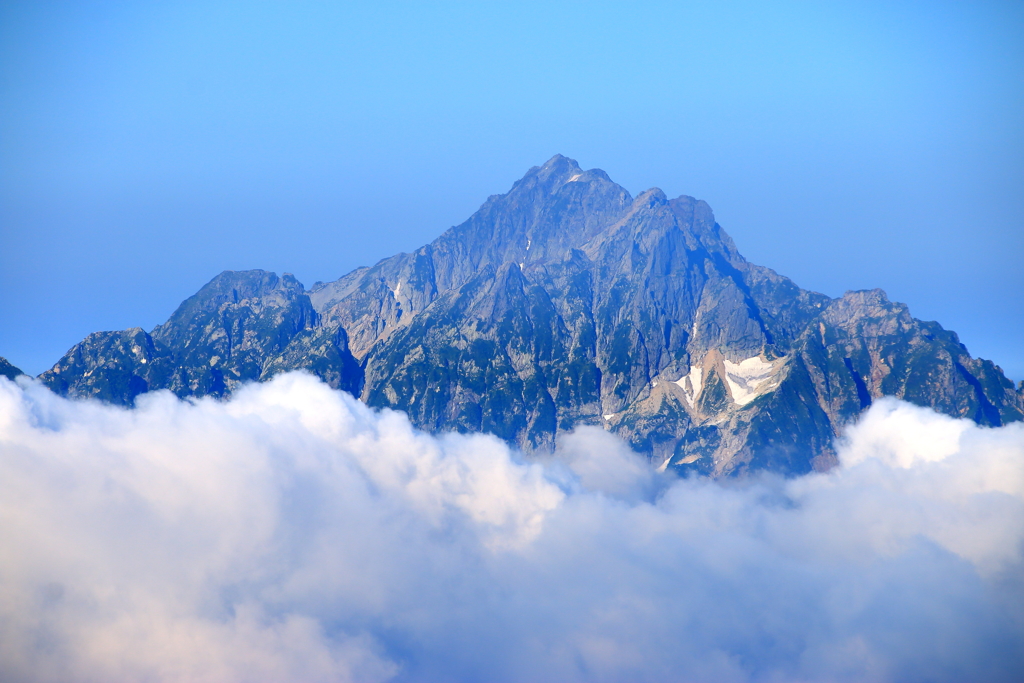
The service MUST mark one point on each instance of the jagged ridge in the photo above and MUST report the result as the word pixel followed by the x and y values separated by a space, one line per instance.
pixel 564 302
pixel 7 370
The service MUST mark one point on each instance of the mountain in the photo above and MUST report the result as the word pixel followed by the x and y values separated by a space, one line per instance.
pixel 7 370
pixel 567 302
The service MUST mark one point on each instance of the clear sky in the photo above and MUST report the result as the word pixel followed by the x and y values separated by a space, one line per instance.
pixel 145 147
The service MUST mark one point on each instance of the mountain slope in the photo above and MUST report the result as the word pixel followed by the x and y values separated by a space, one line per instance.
pixel 7 370
pixel 241 326
pixel 564 302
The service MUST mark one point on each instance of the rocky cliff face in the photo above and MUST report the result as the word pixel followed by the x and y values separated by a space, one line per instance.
pixel 240 327
pixel 7 370
pixel 567 302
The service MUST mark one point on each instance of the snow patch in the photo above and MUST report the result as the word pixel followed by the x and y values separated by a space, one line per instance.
pixel 573 179
pixel 746 376
pixel 396 290
pixel 609 416
pixel 691 384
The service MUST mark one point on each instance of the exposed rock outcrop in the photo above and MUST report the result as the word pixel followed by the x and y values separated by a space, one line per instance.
pixel 567 302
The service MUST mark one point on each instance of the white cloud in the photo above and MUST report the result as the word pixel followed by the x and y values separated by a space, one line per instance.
pixel 293 534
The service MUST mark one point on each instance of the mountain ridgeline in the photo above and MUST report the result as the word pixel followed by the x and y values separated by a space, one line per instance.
pixel 568 302
pixel 9 371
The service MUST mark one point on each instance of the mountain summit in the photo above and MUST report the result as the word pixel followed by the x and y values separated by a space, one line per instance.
pixel 566 302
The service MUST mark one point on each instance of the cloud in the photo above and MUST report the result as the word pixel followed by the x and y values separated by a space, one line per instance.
pixel 291 533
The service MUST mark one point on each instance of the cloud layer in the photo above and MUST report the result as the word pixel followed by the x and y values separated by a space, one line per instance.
pixel 293 534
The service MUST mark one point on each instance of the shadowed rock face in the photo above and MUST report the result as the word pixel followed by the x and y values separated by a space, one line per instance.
pixel 7 370
pixel 567 302
pixel 242 326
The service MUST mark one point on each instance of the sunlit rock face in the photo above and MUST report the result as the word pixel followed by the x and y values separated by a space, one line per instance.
pixel 568 302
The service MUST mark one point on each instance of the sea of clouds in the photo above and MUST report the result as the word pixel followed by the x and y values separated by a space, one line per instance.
pixel 293 534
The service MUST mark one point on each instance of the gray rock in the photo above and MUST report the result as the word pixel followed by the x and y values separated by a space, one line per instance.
pixel 7 370
pixel 568 302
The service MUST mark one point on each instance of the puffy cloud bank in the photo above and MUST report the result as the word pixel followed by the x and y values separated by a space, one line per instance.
pixel 292 534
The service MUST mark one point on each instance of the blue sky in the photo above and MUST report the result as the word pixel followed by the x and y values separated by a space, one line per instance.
pixel 145 147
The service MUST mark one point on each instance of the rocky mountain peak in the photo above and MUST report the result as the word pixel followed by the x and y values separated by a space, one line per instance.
pixel 253 290
pixel 233 286
pixel 8 370
pixel 566 302
pixel 557 173
pixel 867 312
pixel 652 197
pixel 554 173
